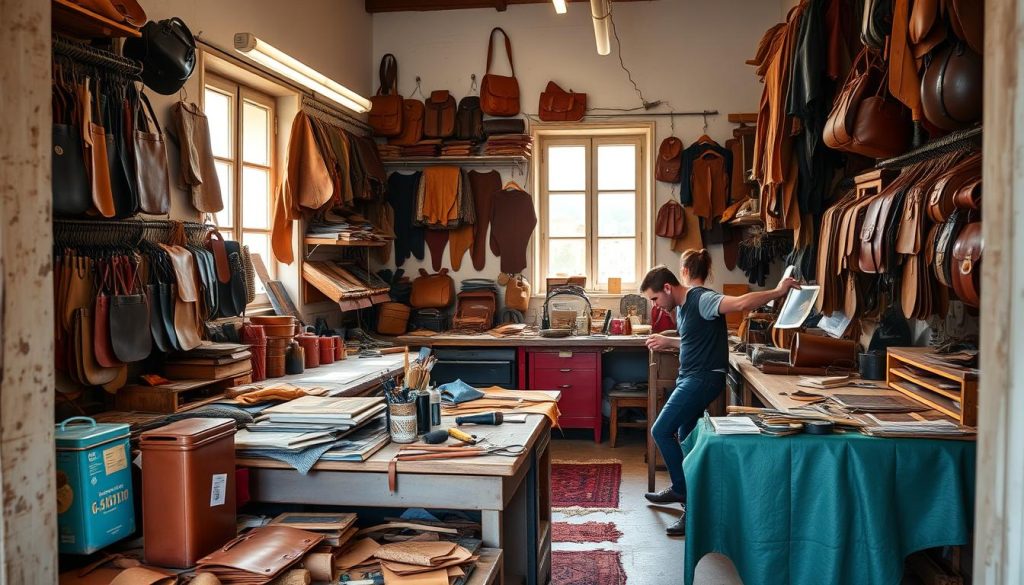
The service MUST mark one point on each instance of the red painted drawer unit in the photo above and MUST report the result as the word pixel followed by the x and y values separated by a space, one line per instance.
pixel 577 375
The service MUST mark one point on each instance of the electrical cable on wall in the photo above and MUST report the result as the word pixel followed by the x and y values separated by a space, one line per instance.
pixel 645 105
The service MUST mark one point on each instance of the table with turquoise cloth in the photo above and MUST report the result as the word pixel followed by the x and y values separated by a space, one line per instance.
pixel 823 509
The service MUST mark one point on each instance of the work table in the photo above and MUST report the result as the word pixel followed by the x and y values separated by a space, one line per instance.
pixel 485 340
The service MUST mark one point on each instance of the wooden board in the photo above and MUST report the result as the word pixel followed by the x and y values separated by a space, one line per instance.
pixel 488 568
pixel 177 396
pixel 70 18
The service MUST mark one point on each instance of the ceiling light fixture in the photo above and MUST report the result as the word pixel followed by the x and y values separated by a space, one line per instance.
pixel 601 12
pixel 559 6
pixel 297 71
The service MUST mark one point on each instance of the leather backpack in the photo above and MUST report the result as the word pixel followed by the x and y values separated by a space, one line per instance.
pixel 966 267
pixel 670 160
pixel 439 117
pixel 670 222
pixel 499 94
pixel 469 119
pixel 167 50
pixel 412 124
pixel 432 291
pixel 951 87
pixel 558 105
pixel 386 107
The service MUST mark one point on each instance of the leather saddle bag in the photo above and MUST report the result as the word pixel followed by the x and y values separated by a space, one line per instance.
pixel 386 107
pixel 499 94
pixel 969 196
pixel 815 351
pixel 951 87
pixel 941 198
pixel 670 160
pixel 966 267
pixel 432 291
pixel 558 105
pixel 439 118
pixel 469 119
pixel 150 152
pixel 412 124
pixel 670 222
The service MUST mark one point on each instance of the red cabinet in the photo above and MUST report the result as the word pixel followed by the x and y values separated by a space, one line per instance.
pixel 577 375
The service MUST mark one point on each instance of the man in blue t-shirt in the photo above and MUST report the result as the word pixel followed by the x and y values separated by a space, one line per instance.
pixel 703 345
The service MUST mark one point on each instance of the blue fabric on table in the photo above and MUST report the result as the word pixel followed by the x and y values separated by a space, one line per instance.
pixel 837 509
pixel 458 392
pixel 302 461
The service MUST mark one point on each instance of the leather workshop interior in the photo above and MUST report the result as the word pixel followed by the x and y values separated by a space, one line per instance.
pixel 354 291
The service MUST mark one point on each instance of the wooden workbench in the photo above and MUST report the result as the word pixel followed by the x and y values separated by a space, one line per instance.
pixel 485 340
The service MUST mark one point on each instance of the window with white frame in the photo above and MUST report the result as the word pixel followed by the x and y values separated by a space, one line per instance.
pixel 592 202
pixel 242 133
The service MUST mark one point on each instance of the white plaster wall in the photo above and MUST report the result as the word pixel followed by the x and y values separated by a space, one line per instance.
pixel 688 53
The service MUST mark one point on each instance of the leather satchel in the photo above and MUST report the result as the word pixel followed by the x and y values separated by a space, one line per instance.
pixel 412 124
pixel 966 268
pixel 469 119
pixel 670 160
pixel 432 291
pixel 883 127
pixel 670 222
pixel 439 118
pixel 499 94
pixel 386 107
pixel 475 310
pixel 863 80
pixel 151 172
pixel 816 351
pixel 558 105
pixel 259 555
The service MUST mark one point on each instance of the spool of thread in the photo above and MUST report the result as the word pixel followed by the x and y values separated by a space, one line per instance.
pixel 422 413
pixel 326 350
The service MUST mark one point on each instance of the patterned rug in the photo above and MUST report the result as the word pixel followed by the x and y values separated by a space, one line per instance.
pixel 582 487
pixel 587 567
pixel 585 532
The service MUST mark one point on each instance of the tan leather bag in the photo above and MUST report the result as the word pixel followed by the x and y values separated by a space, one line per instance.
pixel 499 94
pixel 393 318
pixel 432 291
pixel 517 294
pixel 151 171
pixel 439 116
pixel 862 81
pixel 386 107
pixel 941 198
pixel 558 105
pixel 815 351
pixel 412 124
pixel 670 222
pixel 670 160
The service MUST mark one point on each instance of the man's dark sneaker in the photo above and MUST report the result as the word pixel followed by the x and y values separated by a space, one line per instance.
pixel 679 528
pixel 665 496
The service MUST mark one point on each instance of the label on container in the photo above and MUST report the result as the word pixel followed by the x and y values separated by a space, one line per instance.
pixel 218 489
pixel 114 459
pixel 565 354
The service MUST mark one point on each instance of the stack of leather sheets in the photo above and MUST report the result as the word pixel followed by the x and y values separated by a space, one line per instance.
pixel 423 148
pixel 457 148
pixel 509 145
pixel 419 562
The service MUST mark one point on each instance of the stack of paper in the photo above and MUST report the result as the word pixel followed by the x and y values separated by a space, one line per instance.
pixel 338 529
pixel 924 429
pixel 734 425
pixel 322 412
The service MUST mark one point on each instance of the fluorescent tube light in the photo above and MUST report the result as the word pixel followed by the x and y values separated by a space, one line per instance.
pixel 297 71
pixel 600 12
pixel 559 6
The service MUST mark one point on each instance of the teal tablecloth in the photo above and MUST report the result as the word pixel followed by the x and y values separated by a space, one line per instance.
pixel 814 510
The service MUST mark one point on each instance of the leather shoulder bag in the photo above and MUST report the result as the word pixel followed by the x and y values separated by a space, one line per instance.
pixel 432 291
pixel 439 119
pixel 863 79
pixel 670 159
pixel 517 293
pixel 670 222
pixel 966 268
pixel 150 152
pixel 499 94
pixel 412 124
pixel 386 107
pixel 882 126
pixel 558 105
pixel 469 119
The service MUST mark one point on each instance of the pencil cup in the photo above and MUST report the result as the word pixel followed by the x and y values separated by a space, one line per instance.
pixel 403 422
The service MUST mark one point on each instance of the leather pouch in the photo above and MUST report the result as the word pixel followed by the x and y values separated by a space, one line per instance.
pixel 386 107
pixel 670 160
pixel 517 294
pixel 506 126
pixel 670 222
pixel 439 116
pixel 815 351
pixel 499 94
pixel 966 268
pixel 260 555
pixel 412 124
pixel 558 105
pixel 432 291
pixel 150 154
pixel 469 119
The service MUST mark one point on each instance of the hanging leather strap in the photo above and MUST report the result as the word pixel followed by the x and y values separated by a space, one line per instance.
pixel 508 49
pixel 388 75
pixel 904 81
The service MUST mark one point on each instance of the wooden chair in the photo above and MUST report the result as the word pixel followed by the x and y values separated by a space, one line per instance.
pixel 625 399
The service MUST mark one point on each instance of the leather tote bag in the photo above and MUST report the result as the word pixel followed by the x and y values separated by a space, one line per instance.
pixel 469 119
pixel 670 160
pixel 151 171
pixel 386 106
pixel 517 294
pixel 439 117
pixel 412 124
pixel 558 105
pixel 883 127
pixel 863 80
pixel 71 194
pixel 433 291
pixel 499 95
pixel 130 336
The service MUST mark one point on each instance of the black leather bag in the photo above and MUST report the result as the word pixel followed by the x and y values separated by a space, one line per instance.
pixel 72 193
pixel 504 126
pixel 167 50
pixel 120 168
pixel 128 315
pixel 231 295
pixel 156 324
pixel 469 120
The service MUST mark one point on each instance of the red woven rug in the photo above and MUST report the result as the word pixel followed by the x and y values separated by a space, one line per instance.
pixel 585 486
pixel 585 532
pixel 587 567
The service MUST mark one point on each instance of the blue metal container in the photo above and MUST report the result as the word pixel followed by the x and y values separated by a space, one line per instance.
pixel 94 485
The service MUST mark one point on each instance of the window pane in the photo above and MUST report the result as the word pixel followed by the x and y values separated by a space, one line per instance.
pixel 567 168
pixel 227 190
pixel 616 214
pixel 255 198
pixel 616 257
pixel 218 114
pixel 229 235
pixel 567 215
pixel 255 133
pixel 567 257
pixel 616 167
pixel 259 244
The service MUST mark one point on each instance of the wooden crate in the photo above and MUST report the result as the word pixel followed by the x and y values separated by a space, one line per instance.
pixel 177 396
pixel 950 390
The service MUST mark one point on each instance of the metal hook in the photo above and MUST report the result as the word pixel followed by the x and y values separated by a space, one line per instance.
pixel 705 114
pixel 472 83
pixel 418 88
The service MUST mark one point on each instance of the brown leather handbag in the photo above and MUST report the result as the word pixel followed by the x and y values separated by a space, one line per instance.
pixel 815 351
pixel 517 294
pixel 412 124
pixel 469 119
pixel 432 291
pixel 882 127
pixel 439 116
pixel 558 105
pixel 966 267
pixel 151 172
pixel 499 94
pixel 863 80
pixel 670 222
pixel 951 87
pixel 941 197
pixel 393 318
pixel 386 107
pixel 670 160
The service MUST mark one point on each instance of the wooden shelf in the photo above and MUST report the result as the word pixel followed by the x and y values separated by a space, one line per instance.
pixel 927 383
pixel 459 161
pixel 71 19
pixel 315 241
pixel 922 395
pixel 950 390
pixel 488 568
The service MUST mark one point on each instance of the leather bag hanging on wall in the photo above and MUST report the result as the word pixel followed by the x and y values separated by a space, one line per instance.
pixel 966 268
pixel 412 124
pixel 150 151
pixel 439 117
pixel 951 87
pixel 469 119
pixel 863 80
pixel 432 291
pixel 558 105
pixel 386 107
pixel 670 222
pixel 129 316
pixel 167 50
pixel 517 294
pixel 71 194
pixel 883 127
pixel 670 160
pixel 499 94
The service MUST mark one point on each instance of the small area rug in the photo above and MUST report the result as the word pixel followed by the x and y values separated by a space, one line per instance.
pixel 583 487
pixel 587 567
pixel 585 532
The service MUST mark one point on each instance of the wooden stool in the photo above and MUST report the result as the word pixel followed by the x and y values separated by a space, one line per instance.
pixel 625 399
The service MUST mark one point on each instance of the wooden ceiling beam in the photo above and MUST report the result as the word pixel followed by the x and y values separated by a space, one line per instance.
pixel 428 5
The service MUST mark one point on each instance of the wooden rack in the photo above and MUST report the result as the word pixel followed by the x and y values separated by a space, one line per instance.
pixel 952 391
pixel 459 161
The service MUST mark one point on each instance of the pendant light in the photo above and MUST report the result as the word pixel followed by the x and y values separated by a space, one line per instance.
pixel 600 11
pixel 559 6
